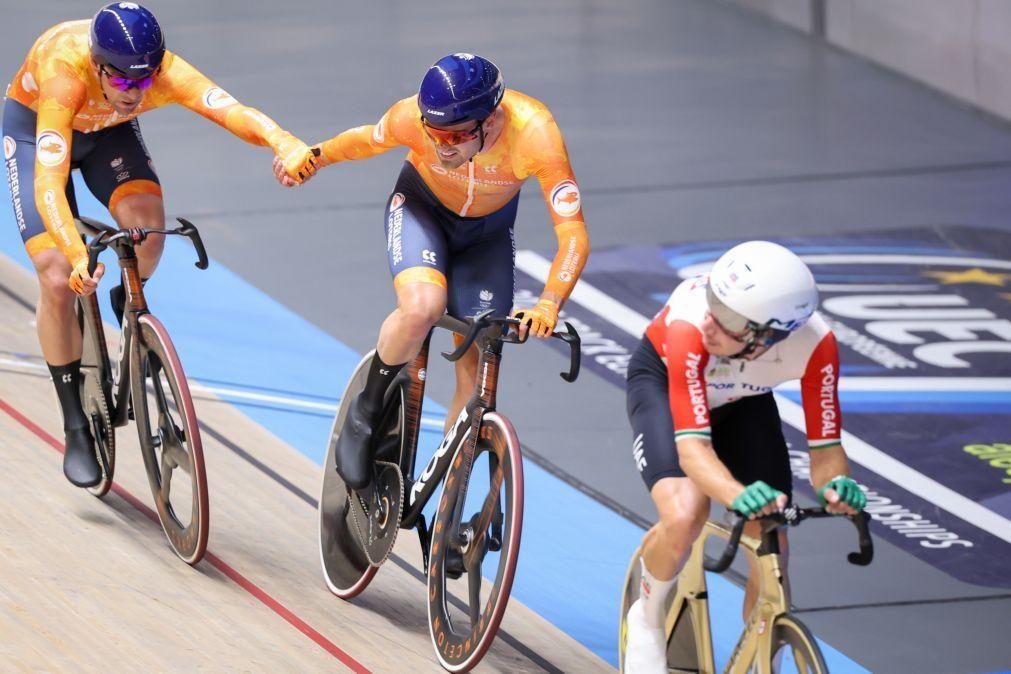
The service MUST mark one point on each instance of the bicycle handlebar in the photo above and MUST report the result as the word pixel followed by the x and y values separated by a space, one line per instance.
pixel 471 327
pixel 106 236
pixel 793 516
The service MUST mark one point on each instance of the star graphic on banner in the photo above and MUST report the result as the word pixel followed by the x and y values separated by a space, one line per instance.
pixel 974 275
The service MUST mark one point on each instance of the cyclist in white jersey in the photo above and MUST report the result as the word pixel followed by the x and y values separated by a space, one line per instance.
pixel 705 425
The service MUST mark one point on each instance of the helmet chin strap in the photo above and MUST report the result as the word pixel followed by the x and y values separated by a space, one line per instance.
pixel 480 131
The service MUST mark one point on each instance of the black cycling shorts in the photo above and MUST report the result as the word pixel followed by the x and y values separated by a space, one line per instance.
pixel 747 434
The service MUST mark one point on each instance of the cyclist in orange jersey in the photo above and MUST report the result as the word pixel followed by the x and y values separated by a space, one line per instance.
pixel 449 221
pixel 73 104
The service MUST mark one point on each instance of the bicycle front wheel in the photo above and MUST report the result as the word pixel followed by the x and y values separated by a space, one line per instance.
pixel 477 529
pixel 794 648
pixel 170 440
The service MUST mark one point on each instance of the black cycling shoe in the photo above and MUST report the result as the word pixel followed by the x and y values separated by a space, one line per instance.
pixel 352 454
pixel 117 297
pixel 80 464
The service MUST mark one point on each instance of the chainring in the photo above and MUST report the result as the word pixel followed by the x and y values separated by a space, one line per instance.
pixel 376 511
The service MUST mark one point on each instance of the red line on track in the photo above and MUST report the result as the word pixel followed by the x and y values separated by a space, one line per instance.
pixel 249 586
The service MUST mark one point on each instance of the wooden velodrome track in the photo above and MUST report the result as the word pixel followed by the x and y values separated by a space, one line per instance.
pixel 89 584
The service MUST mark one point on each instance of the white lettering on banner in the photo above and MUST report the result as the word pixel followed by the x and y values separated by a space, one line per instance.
pixel 867 347
pixel 901 332
pixel 894 516
pixel 944 354
pixel 443 448
pixel 695 390
pixel 868 307
pixel 829 425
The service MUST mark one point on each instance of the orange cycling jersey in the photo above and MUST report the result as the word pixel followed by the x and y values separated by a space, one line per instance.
pixel 530 145
pixel 59 82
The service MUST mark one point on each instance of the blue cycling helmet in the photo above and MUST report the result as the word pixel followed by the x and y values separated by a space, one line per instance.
pixel 127 38
pixel 458 88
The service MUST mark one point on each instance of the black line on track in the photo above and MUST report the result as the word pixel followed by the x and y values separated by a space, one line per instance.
pixel 898 604
pixel 683 186
pixel 506 637
pixel 17 298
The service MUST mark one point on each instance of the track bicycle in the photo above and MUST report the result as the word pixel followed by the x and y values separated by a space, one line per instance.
pixel 773 640
pixel 148 384
pixel 480 514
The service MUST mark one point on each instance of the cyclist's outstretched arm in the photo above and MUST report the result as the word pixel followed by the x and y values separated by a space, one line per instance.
pixel 190 88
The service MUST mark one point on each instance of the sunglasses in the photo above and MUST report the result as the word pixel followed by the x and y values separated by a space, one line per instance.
pixel 445 137
pixel 126 83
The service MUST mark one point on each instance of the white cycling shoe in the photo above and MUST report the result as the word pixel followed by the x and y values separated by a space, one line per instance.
pixel 645 646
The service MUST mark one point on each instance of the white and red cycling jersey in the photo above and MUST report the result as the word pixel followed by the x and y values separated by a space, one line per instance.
pixel 699 381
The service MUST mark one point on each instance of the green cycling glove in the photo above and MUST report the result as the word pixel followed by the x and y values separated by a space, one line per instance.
pixel 755 496
pixel 849 492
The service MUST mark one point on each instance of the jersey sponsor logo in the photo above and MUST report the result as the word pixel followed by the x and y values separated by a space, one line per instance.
pixel 397 201
pixel 216 98
pixel 9 147
pixel 638 453
pixel 50 148
pixel 826 399
pixel 379 131
pixel 53 213
pixel 116 163
pixel 28 83
pixel 696 392
pixel 565 198
pixel 394 236
pixel 14 183
pixel 428 256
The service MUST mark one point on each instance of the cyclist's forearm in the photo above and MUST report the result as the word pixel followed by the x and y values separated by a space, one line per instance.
pixel 573 249
pixel 356 143
pixel 700 463
pixel 51 202
pixel 827 464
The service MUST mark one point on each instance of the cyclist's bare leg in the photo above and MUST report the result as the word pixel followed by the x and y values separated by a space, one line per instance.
pixel 752 586
pixel 683 509
pixel 148 211
pixel 54 314
pixel 419 306
pixel 466 374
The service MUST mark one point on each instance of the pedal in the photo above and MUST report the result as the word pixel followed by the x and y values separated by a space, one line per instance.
pixel 376 511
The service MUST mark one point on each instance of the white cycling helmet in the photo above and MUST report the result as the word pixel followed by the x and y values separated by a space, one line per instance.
pixel 760 292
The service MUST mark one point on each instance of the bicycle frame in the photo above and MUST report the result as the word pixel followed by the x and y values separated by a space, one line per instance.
pixel 773 601
pixel 115 383
pixel 462 434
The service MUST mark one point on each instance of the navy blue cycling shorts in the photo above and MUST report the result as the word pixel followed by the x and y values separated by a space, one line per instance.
pixel 113 161
pixel 474 257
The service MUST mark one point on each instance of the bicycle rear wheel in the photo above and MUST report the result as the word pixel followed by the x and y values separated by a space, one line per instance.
pixel 170 440
pixel 346 567
pixel 794 648
pixel 477 528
